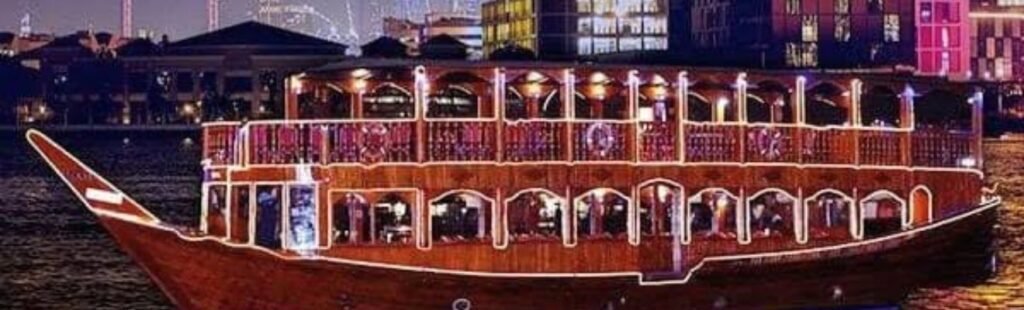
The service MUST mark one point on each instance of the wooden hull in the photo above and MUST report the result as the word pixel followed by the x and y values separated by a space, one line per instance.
pixel 209 274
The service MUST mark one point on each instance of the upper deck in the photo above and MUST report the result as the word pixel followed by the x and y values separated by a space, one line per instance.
pixel 407 113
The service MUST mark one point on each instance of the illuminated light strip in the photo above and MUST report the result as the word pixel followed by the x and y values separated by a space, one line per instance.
pixel 28 136
pixel 990 204
pixel 996 15
pixel 104 196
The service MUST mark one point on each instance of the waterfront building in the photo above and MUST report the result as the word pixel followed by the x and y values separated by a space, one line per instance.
pixel 943 38
pixel 803 33
pixel 236 72
pixel 566 29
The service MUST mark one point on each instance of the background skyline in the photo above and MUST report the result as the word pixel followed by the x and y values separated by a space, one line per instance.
pixel 185 18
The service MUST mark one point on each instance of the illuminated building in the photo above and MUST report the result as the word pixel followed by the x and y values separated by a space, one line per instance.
pixel 996 31
pixel 567 29
pixel 803 33
pixel 464 27
pixel 943 38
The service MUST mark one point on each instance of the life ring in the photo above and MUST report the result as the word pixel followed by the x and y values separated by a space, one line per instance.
pixel 768 143
pixel 375 143
pixel 600 139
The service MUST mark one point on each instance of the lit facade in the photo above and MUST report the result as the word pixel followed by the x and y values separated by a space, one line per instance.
pixel 995 37
pixel 803 33
pixel 571 28
pixel 943 38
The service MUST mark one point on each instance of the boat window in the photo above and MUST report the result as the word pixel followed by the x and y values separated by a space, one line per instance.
pixel 698 109
pixel 351 220
pixel 658 205
pixel 829 216
pixel 216 208
pixel 535 216
pixel 240 199
pixel 460 217
pixel 302 218
pixel 602 213
pixel 268 216
pixel 388 101
pixel 453 102
pixel 393 220
pixel 713 214
pixel 882 214
pixel 771 215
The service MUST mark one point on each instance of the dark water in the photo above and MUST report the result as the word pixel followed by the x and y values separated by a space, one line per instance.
pixel 53 253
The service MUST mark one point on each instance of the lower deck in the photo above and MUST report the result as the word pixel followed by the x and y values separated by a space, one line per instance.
pixel 571 218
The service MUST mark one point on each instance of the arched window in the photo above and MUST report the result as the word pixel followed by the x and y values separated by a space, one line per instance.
pixel 882 213
pixel 389 101
pixel 535 215
pixel 825 106
pixel 942 110
pixel 829 215
pixel 533 95
pixel 216 211
pixel 656 101
pixel 769 102
pixel 454 102
pixel 302 218
pixel 772 214
pixel 393 220
pixel 698 109
pixel 350 219
pixel 713 214
pixel 462 216
pixel 601 97
pixel 660 206
pixel 921 205
pixel 268 216
pixel 602 213
pixel 880 107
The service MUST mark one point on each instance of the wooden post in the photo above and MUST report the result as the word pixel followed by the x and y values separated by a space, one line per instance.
pixel 741 115
pixel 799 104
pixel 977 128
pixel 293 86
pixel 420 89
pixel 499 110
pixel 856 88
pixel 907 122
pixel 569 91
pixel 682 112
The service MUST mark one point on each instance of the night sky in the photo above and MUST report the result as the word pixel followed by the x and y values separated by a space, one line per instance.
pixel 176 18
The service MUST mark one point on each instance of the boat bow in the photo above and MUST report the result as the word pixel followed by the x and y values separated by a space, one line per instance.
pixel 98 194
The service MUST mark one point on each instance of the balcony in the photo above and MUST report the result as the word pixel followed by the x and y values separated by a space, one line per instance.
pixel 373 142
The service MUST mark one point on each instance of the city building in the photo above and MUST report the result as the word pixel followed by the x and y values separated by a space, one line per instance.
pixel 803 33
pixel 582 28
pixel 403 30
pixel 464 27
pixel 238 72
pixel 996 37
pixel 943 38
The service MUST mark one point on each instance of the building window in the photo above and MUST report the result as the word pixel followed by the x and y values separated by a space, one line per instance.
pixel 809 28
pixel 801 54
pixel 793 7
pixel 926 12
pixel 843 28
pixel 842 6
pixel 892 28
pixel 876 6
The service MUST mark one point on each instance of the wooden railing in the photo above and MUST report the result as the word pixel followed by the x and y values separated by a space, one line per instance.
pixel 220 143
pixel 395 141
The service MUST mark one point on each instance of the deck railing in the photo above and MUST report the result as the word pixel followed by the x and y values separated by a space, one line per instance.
pixel 370 142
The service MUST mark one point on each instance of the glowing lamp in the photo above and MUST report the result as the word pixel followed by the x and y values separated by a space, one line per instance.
pixel 359 85
pixel 968 162
pixel 723 102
